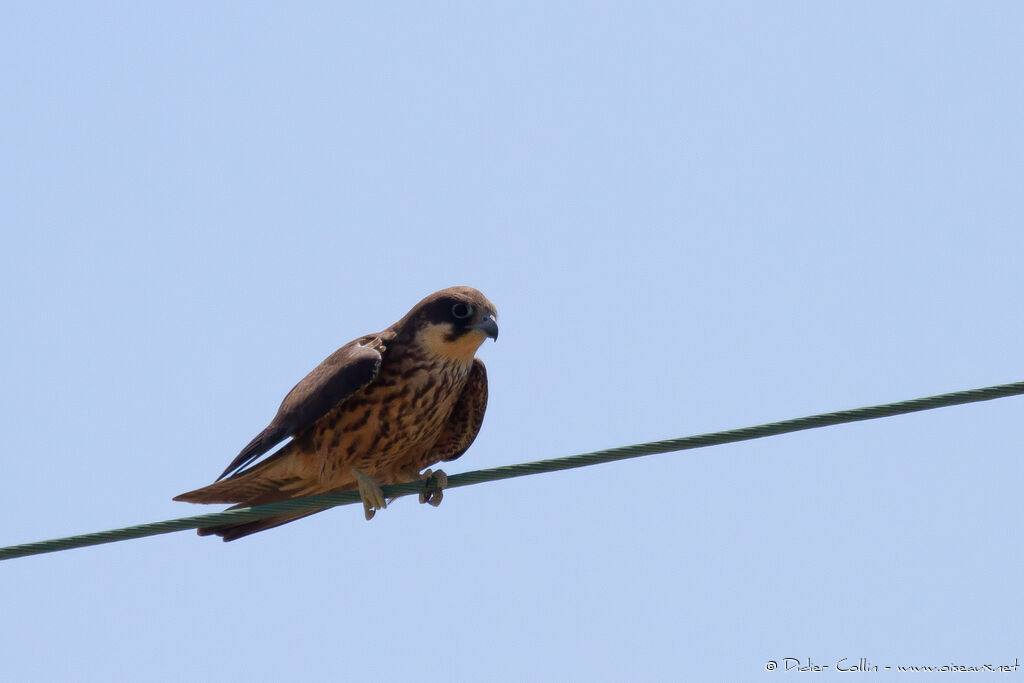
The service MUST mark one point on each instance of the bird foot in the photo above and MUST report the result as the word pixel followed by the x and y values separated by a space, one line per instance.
pixel 370 492
pixel 433 490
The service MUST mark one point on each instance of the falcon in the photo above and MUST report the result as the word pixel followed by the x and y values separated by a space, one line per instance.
pixel 377 411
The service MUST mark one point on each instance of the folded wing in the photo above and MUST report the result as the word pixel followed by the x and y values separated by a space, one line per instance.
pixel 340 375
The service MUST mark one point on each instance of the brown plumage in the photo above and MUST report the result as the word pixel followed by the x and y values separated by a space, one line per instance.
pixel 377 411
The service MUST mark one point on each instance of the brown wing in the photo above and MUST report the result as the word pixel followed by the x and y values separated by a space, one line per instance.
pixel 466 418
pixel 340 375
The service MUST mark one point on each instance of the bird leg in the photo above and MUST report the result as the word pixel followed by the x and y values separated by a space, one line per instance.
pixel 433 490
pixel 370 492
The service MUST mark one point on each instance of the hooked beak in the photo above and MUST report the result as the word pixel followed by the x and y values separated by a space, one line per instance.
pixel 488 326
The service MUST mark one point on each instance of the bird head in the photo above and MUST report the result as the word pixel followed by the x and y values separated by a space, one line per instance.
pixel 452 323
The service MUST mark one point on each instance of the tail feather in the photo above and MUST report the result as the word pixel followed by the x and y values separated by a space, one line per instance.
pixel 287 474
pixel 236 531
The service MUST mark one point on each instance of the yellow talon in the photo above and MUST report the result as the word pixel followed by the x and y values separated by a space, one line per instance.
pixel 433 491
pixel 370 492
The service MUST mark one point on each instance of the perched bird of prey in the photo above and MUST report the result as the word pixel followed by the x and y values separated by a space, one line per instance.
pixel 377 411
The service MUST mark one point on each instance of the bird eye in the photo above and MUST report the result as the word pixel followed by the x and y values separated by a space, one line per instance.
pixel 461 310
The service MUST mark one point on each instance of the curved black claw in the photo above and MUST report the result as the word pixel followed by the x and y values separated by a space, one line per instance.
pixel 433 487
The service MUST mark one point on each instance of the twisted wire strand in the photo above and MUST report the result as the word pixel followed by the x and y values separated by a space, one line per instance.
pixel 325 501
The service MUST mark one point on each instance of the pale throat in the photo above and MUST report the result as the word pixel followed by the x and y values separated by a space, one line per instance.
pixel 433 338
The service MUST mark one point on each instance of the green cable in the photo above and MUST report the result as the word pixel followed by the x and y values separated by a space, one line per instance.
pixel 509 471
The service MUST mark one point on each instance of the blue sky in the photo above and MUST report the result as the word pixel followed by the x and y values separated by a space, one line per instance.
pixel 691 217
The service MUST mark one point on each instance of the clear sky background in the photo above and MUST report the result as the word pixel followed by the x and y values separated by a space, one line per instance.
pixel 691 217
